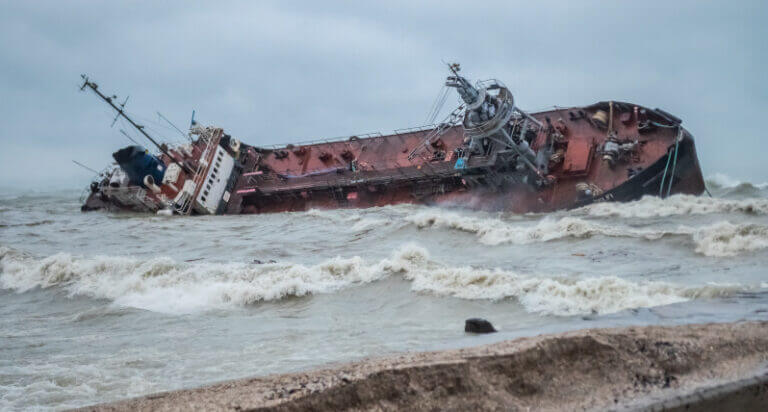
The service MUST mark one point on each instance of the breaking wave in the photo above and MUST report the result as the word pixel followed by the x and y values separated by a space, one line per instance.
pixel 724 185
pixel 726 239
pixel 652 206
pixel 494 231
pixel 163 285
pixel 716 240
pixel 720 180
pixel 551 295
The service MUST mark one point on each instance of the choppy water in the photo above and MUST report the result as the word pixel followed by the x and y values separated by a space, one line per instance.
pixel 98 307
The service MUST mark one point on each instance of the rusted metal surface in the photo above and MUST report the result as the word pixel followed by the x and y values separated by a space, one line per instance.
pixel 377 169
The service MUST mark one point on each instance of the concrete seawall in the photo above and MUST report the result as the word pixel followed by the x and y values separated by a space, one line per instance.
pixel 704 367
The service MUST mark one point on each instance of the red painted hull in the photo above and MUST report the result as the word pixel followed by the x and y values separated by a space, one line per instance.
pixel 388 177
pixel 360 172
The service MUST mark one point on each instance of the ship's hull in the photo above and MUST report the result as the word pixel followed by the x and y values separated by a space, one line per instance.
pixel 437 182
pixel 379 170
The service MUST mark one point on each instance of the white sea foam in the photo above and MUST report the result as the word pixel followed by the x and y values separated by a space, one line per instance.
pixel 717 240
pixel 652 206
pixel 494 231
pixel 553 295
pixel 727 239
pixel 162 285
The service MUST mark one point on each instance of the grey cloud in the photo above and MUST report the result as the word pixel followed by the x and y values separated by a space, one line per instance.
pixel 272 72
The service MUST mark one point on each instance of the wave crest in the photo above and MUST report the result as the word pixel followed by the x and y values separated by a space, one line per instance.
pixel 163 285
pixel 716 240
pixel 652 206
pixel 726 239
pixel 558 295
pixel 494 231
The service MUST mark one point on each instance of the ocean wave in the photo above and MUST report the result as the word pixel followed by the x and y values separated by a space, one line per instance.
pixel 549 295
pixel 495 231
pixel 163 285
pixel 723 185
pixel 652 206
pixel 726 239
pixel 359 220
pixel 29 224
pixel 716 240
pixel 720 180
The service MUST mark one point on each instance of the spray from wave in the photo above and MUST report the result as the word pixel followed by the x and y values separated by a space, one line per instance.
pixel 723 185
pixel 162 285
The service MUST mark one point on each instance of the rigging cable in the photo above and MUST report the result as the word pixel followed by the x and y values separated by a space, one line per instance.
pixel 669 158
pixel 437 105
pixel 674 163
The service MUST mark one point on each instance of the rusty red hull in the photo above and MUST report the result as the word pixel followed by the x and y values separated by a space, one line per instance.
pixel 379 170
pixel 282 179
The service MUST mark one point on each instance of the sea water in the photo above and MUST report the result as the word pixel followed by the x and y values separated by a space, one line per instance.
pixel 97 307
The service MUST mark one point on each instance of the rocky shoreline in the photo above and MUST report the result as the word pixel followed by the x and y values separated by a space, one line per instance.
pixel 709 366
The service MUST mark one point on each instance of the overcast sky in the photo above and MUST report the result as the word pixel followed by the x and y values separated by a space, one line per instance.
pixel 276 72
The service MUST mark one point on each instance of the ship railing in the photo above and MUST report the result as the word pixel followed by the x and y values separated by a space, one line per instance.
pixel 453 119
pixel 132 195
pixel 338 139
pixel 417 129
pixel 503 115
pixel 350 137
pixel 490 84
pixel 98 177
pixel 208 136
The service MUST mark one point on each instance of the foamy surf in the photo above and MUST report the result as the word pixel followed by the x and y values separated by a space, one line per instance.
pixel 163 285
pixel 726 239
pixel 549 295
pixel 652 206
pixel 717 240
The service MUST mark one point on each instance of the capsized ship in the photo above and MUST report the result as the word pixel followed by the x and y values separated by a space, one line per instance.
pixel 487 154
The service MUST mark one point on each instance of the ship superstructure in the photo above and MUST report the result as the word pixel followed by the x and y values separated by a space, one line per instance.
pixel 487 154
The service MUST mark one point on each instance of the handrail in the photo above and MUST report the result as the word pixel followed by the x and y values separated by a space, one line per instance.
pixel 338 139
pixel 208 135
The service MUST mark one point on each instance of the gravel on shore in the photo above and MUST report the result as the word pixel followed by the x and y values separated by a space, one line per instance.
pixel 594 369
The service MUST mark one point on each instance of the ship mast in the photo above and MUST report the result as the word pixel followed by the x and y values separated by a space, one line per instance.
pixel 120 112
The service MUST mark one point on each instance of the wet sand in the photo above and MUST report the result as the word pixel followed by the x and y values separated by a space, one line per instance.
pixel 709 367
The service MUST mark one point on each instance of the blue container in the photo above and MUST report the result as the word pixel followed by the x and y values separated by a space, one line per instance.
pixel 137 163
